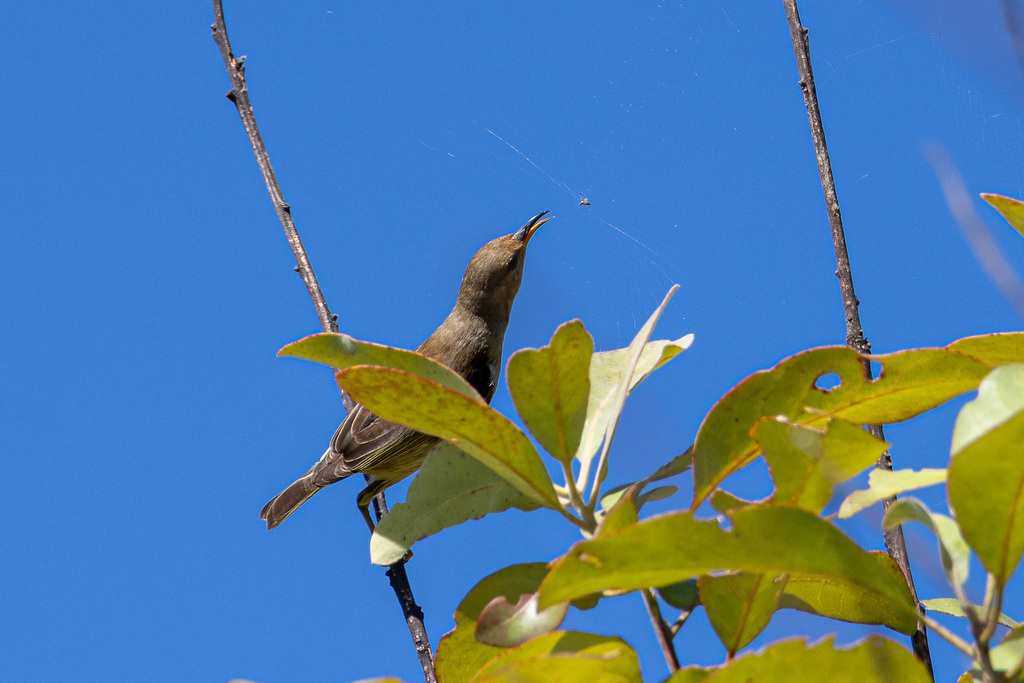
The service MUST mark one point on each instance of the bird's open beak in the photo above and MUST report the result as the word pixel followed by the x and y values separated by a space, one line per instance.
pixel 526 232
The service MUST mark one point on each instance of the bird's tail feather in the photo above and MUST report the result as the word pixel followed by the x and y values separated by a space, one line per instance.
pixel 288 501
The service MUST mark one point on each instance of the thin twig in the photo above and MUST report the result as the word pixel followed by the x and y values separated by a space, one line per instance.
pixel 984 246
pixel 894 541
pixel 662 630
pixel 239 95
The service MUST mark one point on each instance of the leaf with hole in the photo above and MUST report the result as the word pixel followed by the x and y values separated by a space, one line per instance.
pixel 911 382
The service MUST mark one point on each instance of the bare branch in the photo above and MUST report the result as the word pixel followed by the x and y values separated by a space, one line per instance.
pixel 894 541
pixel 662 630
pixel 239 95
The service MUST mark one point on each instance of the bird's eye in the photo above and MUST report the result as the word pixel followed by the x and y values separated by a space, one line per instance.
pixel 513 262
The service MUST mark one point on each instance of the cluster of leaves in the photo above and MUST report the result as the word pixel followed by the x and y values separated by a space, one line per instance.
pixel 756 557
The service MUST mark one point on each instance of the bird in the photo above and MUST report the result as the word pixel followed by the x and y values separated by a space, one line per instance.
pixel 468 342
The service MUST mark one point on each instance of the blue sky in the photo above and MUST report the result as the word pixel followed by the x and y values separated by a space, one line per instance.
pixel 146 419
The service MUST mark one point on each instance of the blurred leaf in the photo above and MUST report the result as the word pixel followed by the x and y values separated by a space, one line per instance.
pixel 550 387
pixel 986 474
pixel 622 513
pixel 683 595
pixel 911 382
pixel 449 489
pixel 793 661
pixel 613 374
pixel 725 502
pixel 341 351
pixel 655 494
pixel 996 349
pixel 953 550
pixel 1011 209
pixel 807 462
pixel 884 484
pixel 503 624
pixel 740 605
pixel 847 601
pixel 677 465
pixel 1009 653
pixel 459 654
pixel 672 547
pixel 952 607
pixel 566 657
pixel 474 427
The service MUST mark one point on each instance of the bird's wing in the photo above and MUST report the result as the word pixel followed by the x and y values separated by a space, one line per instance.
pixel 363 443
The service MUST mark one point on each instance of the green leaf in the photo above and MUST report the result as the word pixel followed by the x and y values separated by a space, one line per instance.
pixel 1009 653
pixel 613 374
pixel 677 465
pixel 459 654
pixel 994 350
pixel 1011 209
pixel 451 488
pixel 683 595
pixel 953 608
pixel 884 484
pixel 911 382
pixel 794 661
pixel 986 474
pixel 566 657
pixel 474 427
pixel 670 548
pixel 691 674
pixel 550 387
pixel 504 624
pixel 807 462
pixel 740 605
pixel 953 550
pixel 846 601
pixel 341 351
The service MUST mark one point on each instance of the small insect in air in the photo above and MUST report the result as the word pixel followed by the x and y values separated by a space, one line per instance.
pixel 583 200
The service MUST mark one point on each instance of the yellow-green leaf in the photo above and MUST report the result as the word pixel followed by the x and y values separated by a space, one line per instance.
pixel 764 539
pixel 1011 209
pixel 807 462
pixel 550 387
pixel 473 426
pixel 459 654
pixel 845 601
pixel 910 383
pixel 451 488
pixel 794 661
pixel 884 484
pixel 740 605
pixel 566 657
pixel 341 351
pixel 986 474
pixel 994 350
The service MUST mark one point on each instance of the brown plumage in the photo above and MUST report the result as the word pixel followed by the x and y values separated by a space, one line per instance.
pixel 468 341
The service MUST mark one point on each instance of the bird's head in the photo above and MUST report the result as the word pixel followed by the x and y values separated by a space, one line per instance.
pixel 495 272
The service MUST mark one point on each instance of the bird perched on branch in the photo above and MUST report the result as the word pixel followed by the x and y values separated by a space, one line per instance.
pixel 468 342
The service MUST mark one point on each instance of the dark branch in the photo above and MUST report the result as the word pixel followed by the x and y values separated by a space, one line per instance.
pixel 239 96
pixel 662 630
pixel 855 339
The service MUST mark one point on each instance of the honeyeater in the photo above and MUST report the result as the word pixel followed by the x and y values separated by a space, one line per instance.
pixel 468 341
